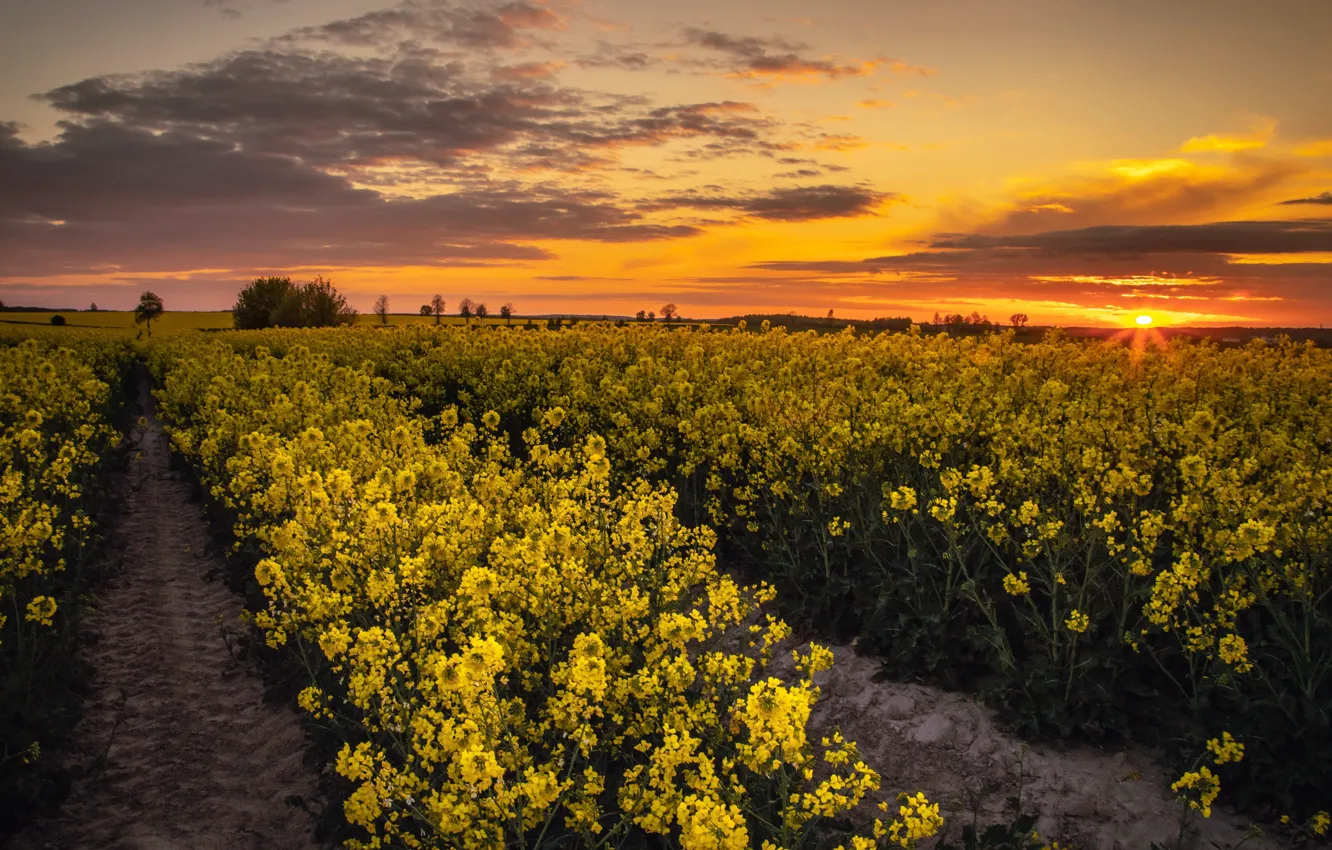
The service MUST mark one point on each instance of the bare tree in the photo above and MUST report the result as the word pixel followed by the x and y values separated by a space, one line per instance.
pixel 1018 320
pixel 381 309
pixel 669 312
pixel 437 305
pixel 652 315
pixel 481 311
pixel 506 313
pixel 465 309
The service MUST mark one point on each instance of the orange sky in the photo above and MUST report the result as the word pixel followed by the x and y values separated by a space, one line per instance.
pixel 1082 162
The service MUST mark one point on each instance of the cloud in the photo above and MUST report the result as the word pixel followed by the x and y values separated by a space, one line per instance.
pixel 334 110
pixel 527 71
pixel 774 58
pixel 228 7
pixel 1263 130
pixel 1227 237
pixel 478 27
pixel 135 200
pixel 1325 198
pixel 1146 191
pixel 802 203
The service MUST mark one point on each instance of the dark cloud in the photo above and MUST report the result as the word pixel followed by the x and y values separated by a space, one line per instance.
pixel 336 110
pixel 134 200
pixel 229 9
pixel 1226 237
pixel 473 27
pixel 801 203
pixel 772 57
pixel 415 155
pixel 1325 198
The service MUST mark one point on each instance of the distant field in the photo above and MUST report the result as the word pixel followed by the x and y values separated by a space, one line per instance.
pixel 170 322
pixel 175 322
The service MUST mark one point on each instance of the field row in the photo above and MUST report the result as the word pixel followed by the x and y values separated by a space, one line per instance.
pixel 1110 543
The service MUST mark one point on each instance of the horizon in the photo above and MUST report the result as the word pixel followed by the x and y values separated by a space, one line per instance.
pixel 1055 158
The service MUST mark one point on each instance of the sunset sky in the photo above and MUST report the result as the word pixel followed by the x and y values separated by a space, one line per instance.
pixel 1081 161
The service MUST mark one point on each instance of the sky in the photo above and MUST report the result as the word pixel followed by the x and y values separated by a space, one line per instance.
pixel 1079 161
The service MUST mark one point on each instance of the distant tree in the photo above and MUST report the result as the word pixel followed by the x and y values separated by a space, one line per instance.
pixel 58 320
pixel 2 305
pixel 322 306
pixel 437 306
pixel 92 308
pixel 506 313
pixel 481 311
pixel 465 309
pixel 669 312
pixel 258 304
pixel 641 315
pixel 148 308
pixel 652 315
pixel 425 310
pixel 277 302
pixel 830 316
pixel 381 309
pixel 1018 320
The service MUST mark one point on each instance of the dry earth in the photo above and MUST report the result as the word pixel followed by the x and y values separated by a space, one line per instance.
pixel 925 739
pixel 177 748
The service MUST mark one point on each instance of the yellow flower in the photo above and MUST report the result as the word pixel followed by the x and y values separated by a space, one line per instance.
pixel 41 610
pixel 1226 750
pixel 1077 621
pixel 1320 822
pixel 1204 787
pixel 1017 585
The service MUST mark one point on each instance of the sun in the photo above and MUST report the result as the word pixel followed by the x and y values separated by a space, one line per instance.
pixel 1144 320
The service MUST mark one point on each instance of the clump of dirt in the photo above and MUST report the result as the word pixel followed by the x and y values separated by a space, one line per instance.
pixel 947 745
pixel 176 746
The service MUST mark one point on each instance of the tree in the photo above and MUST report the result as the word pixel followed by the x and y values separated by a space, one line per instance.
pixel 277 302
pixel 641 315
pixel 381 309
pixel 257 305
pixel 652 315
pixel 425 310
pixel 149 308
pixel 437 306
pixel 322 306
pixel 830 316
pixel 1018 320
pixel 465 309
pixel 506 313
pixel 58 320
pixel 669 312
pixel 92 308
pixel 481 311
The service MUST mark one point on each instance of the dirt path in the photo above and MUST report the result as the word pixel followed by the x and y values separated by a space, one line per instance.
pixel 197 759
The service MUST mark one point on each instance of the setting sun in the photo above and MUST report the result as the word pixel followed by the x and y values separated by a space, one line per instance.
pixel 1144 320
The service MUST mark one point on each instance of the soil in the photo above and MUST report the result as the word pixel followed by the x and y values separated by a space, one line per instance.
pixel 950 747
pixel 177 747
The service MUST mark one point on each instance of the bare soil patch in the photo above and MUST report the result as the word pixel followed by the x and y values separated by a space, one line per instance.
pixel 946 744
pixel 177 747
